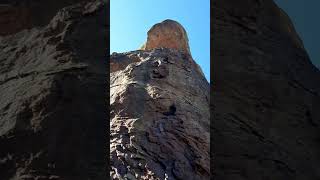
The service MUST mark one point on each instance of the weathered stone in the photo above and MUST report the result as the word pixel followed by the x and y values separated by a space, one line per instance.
pixel 52 84
pixel 167 34
pixel 159 126
pixel 265 95
pixel 17 15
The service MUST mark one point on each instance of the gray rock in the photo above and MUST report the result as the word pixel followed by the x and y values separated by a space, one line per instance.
pixel 159 104
pixel 52 84
pixel 265 95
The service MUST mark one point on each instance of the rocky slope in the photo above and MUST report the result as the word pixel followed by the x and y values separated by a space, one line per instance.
pixel 266 121
pixel 159 110
pixel 52 83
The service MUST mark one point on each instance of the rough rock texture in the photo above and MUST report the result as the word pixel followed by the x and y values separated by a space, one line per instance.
pixel 52 83
pixel 16 15
pixel 169 34
pixel 266 95
pixel 13 19
pixel 159 116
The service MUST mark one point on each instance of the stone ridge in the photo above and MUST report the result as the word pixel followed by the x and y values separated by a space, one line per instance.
pixel 167 34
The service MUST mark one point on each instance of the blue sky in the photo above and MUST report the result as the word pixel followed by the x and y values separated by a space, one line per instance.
pixel 131 19
pixel 305 16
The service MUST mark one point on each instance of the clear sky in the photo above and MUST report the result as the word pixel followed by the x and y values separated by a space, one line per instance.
pixel 305 16
pixel 131 19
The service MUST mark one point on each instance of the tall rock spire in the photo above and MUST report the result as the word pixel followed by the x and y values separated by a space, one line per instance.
pixel 167 34
pixel 159 110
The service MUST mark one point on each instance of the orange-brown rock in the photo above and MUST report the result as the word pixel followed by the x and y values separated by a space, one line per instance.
pixel 167 34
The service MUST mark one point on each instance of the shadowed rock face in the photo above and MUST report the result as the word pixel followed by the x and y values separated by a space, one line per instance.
pixel 52 88
pixel 159 116
pixel 167 34
pixel 265 96
pixel 16 15
pixel 13 19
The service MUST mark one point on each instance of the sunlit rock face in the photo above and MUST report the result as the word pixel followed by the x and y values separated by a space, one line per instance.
pixel 167 34
pixel 159 116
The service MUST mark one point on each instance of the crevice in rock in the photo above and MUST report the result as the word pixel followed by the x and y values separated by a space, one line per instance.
pixel 310 119
pixel 172 111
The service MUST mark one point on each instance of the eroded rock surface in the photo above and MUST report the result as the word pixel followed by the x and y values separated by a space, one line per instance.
pixel 266 121
pixel 16 15
pixel 167 34
pixel 159 116
pixel 52 84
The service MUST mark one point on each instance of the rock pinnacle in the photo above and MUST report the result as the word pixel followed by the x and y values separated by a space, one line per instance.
pixel 167 34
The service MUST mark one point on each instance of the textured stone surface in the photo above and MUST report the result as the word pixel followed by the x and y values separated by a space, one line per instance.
pixel 52 84
pixel 265 95
pixel 167 34
pixel 16 15
pixel 13 19
pixel 159 116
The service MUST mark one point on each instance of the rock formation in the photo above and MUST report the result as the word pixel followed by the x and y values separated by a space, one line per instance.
pixel 266 118
pixel 16 15
pixel 53 69
pixel 169 34
pixel 52 82
pixel 159 110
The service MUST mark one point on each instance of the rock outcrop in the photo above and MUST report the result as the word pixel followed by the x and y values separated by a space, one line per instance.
pixel 159 112
pixel 53 73
pixel 53 69
pixel 16 15
pixel 169 34
pixel 266 121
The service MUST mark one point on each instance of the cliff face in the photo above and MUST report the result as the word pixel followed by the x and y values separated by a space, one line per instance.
pixel 53 115
pixel 266 121
pixel 16 15
pixel 52 84
pixel 159 113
